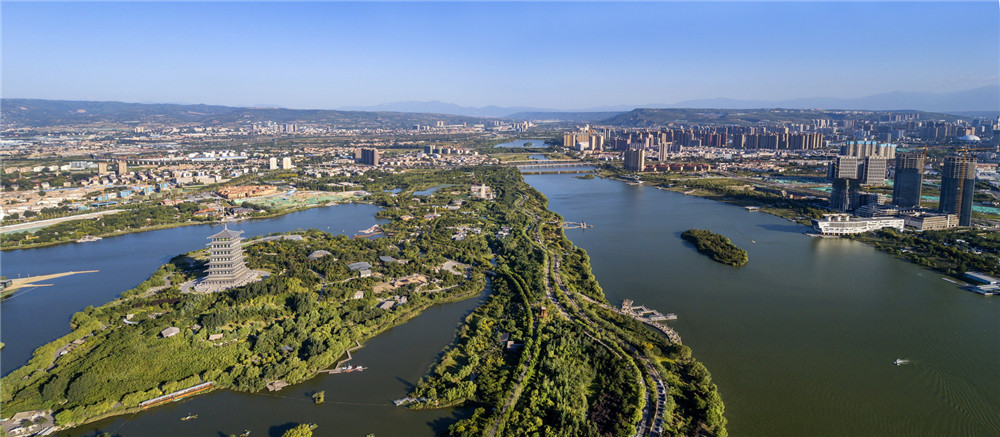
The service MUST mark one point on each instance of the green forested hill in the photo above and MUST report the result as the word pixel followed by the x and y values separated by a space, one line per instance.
pixel 47 113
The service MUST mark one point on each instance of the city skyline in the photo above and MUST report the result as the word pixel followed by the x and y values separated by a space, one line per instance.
pixel 550 55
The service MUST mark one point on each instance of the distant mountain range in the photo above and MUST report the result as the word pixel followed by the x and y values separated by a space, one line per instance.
pixel 436 107
pixel 40 113
pixel 985 98
pixel 657 117
pixel 979 100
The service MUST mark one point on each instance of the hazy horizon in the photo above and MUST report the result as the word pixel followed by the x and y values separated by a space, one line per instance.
pixel 560 56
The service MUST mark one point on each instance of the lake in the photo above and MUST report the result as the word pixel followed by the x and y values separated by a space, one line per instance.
pixel 800 341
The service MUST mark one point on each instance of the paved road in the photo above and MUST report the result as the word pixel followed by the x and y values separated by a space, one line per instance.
pixel 50 222
pixel 652 415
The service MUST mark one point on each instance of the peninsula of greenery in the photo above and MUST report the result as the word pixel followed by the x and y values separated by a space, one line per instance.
pixel 716 246
pixel 545 330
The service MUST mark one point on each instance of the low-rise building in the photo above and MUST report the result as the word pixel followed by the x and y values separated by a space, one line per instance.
pixel 928 221
pixel 843 224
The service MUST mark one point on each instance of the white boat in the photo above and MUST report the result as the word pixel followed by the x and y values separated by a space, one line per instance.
pixel 900 361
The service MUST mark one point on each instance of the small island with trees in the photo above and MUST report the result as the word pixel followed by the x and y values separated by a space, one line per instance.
pixel 716 246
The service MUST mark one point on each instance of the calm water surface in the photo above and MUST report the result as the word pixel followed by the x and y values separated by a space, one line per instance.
pixel 356 403
pixel 521 144
pixel 801 341
pixel 33 317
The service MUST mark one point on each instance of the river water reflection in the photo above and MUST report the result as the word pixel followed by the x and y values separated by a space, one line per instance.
pixel 801 341
pixel 33 317
pixel 356 403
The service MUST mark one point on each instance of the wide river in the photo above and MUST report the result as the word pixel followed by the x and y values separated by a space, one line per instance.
pixel 801 341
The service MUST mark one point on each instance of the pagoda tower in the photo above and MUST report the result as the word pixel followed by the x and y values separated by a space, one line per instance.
pixel 226 267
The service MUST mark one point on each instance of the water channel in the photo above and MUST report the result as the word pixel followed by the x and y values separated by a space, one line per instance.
pixel 800 341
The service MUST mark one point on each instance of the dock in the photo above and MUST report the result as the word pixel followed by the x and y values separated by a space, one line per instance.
pixel 347 369
pixel 30 281
pixel 177 395
pixel 652 318
pixel 339 368
pixel 643 314
pixel 409 400
pixel 576 225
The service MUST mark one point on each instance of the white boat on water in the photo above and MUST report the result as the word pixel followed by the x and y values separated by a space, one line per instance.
pixel 900 361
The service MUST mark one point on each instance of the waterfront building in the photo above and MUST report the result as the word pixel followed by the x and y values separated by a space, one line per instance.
pixel 635 159
pixel 587 139
pixel 849 173
pixel 845 195
pixel 226 267
pixel 958 182
pixel 929 221
pixel 908 180
pixel 843 224
pixel 876 210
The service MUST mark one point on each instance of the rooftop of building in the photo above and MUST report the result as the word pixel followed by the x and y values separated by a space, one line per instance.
pixel 226 233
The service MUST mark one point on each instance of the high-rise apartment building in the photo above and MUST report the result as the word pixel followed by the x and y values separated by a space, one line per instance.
pixel 844 167
pixel 286 163
pixel 873 171
pixel 908 180
pixel 272 163
pixel 846 192
pixel 122 168
pixel 369 156
pixel 635 159
pixel 958 183
pixel 868 148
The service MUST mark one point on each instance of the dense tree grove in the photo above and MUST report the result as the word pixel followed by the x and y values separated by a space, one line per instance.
pixel 716 246
pixel 544 355
pixel 952 252
pixel 529 371
pixel 297 321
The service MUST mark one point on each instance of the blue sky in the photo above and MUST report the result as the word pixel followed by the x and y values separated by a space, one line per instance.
pixel 555 54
